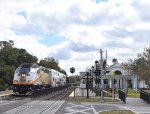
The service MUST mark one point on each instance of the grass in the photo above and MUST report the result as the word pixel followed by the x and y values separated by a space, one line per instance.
pixel 111 100
pixel 78 99
pixel 117 112
pixel 132 93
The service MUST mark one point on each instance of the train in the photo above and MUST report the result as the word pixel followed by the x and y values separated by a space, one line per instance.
pixel 29 77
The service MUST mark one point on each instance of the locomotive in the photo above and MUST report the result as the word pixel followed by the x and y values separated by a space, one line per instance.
pixel 29 77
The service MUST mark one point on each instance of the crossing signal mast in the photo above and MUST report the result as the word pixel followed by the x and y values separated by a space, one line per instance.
pixel 103 70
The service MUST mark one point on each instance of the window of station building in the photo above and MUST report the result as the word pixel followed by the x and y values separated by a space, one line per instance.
pixel 117 72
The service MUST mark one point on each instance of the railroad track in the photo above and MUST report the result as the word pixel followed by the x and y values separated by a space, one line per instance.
pixel 61 95
pixel 46 105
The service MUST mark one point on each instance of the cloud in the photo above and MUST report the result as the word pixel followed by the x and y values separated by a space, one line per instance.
pixel 61 51
pixel 120 26
pixel 79 47
pixel 142 7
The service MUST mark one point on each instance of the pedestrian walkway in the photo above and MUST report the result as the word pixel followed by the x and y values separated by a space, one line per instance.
pixel 137 105
pixel 5 94
pixel 81 92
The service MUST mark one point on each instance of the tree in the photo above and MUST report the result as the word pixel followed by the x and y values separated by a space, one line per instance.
pixel 73 79
pixel 141 64
pixel 63 71
pixel 52 63
pixel 25 57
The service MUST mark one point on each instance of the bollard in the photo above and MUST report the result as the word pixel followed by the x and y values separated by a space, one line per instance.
pixel 74 92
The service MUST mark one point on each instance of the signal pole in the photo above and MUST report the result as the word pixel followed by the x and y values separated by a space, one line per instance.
pixel 102 73
pixel 87 84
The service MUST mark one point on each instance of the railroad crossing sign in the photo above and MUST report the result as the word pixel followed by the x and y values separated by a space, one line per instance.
pixel 72 70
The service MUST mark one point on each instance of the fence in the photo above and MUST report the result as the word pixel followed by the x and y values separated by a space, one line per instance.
pixel 46 91
pixel 122 95
pixel 145 96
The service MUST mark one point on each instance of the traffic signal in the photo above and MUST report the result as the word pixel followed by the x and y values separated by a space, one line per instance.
pixel 97 72
pixel 104 64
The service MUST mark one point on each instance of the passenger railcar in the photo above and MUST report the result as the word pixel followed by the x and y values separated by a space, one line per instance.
pixel 30 76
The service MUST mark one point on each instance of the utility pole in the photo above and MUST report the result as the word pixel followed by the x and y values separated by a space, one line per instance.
pixel 102 73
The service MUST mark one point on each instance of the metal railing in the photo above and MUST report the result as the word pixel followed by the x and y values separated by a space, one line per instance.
pixel 145 96
pixel 122 95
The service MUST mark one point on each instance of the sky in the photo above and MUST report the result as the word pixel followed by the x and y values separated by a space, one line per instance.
pixel 73 31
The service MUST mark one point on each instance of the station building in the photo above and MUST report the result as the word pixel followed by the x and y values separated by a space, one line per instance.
pixel 118 77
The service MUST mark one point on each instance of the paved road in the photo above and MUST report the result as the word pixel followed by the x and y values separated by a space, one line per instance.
pixel 136 105
pixel 65 107
pixel 29 106
pixel 85 108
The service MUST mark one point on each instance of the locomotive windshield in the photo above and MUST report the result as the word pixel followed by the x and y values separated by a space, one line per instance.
pixel 24 68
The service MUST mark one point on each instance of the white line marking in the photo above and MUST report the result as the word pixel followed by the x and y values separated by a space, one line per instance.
pixel 94 110
pixel 79 108
pixel 80 111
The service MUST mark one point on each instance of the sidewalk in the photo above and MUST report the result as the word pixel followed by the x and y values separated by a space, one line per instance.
pixel 137 105
pixel 5 94
pixel 80 92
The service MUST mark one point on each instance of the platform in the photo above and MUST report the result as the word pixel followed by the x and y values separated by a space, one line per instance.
pixel 5 94
pixel 81 92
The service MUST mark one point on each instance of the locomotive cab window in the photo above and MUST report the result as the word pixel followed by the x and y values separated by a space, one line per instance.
pixel 23 70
